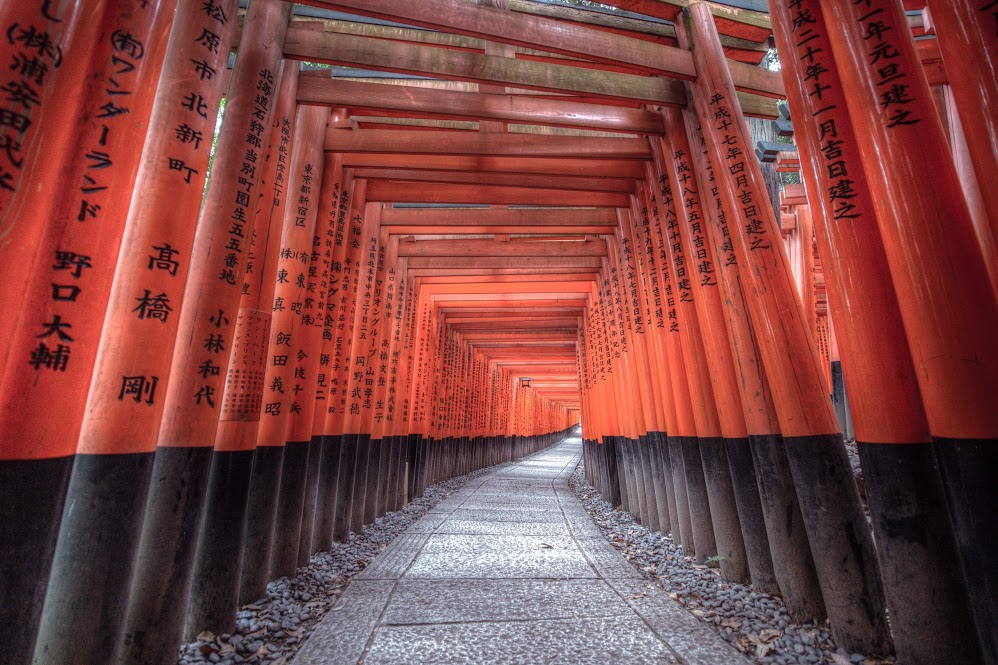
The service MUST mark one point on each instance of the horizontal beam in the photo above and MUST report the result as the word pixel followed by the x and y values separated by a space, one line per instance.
pixel 741 23
pixel 494 249
pixel 432 103
pixel 518 262
pixel 527 220
pixel 536 32
pixel 581 273
pixel 384 55
pixel 518 287
pixel 590 184
pixel 538 307
pixel 742 50
pixel 489 299
pixel 551 35
pixel 418 142
pixel 401 191
pixel 520 282
pixel 582 167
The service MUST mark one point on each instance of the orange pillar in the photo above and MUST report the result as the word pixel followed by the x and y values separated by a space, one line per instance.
pixel 239 422
pixel 293 343
pixel 968 40
pixel 674 152
pixel 39 36
pixel 208 320
pixel 352 203
pixel 712 455
pixel 788 543
pixel 846 564
pixel 678 417
pixel 947 304
pixel 56 315
pixel 923 586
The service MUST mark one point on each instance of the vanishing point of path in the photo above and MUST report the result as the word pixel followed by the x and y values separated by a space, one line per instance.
pixel 510 569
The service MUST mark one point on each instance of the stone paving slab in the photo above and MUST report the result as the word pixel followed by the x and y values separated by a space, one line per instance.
pixel 494 528
pixel 472 601
pixel 355 617
pixel 446 556
pixel 508 515
pixel 670 620
pixel 511 570
pixel 599 641
pixel 392 563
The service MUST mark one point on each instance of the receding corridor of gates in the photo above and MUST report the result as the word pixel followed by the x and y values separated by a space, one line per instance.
pixel 498 331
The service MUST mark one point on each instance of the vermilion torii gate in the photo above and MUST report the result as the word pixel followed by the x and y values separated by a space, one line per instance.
pixel 224 350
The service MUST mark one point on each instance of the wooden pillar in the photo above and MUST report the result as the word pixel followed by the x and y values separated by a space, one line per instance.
pixel 841 543
pixel 641 221
pixel 948 308
pixel 40 75
pixel 968 40
pixel 330 247
pixel 712 456
pixel 788 542
pixel 286 349
pixel 353 204
pixel 239 424
pixel 685 390
pixel 674 152
pixel 636 226
pixel 50 124
pixel 920 568
pixel 56 320
pixel 125 404
pixel 206 324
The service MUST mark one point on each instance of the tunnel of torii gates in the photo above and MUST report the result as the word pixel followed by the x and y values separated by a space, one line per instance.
pixel 539 216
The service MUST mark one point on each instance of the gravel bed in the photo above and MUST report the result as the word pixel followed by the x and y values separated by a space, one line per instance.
pixel 756 624
pixel 270 630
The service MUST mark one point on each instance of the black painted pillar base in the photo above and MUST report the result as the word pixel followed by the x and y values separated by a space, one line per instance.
pixel 372 480
pixel 788 542
pixel 919 564
pixel 613 496
pixel 261 513
pixel 663 484
pixel 386 495
pixel 359 489
pixel 746 489
pixel 657 504
pixel 682 499
pixel 325 507
pixel 308 509
pixel 969 471
pixel 218 563
pixel 704 544
pixel 412 453
pixel 32 493
pixel 723 510
pixel 165 559
pixel 628 501
pixel 841 542
pixel 287 525
pixel 84 613
pixel 344 487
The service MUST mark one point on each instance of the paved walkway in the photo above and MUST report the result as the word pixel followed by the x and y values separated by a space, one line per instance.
pixel 510 569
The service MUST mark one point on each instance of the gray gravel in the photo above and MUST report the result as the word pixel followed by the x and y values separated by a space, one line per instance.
pixel 270 630
pixel 756 624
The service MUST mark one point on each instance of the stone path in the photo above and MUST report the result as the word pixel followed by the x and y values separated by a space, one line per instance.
pixel 510 569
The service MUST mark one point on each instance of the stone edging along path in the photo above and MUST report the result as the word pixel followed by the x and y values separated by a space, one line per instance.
pixel 755 623
pixel 271 630
pixel 510 569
